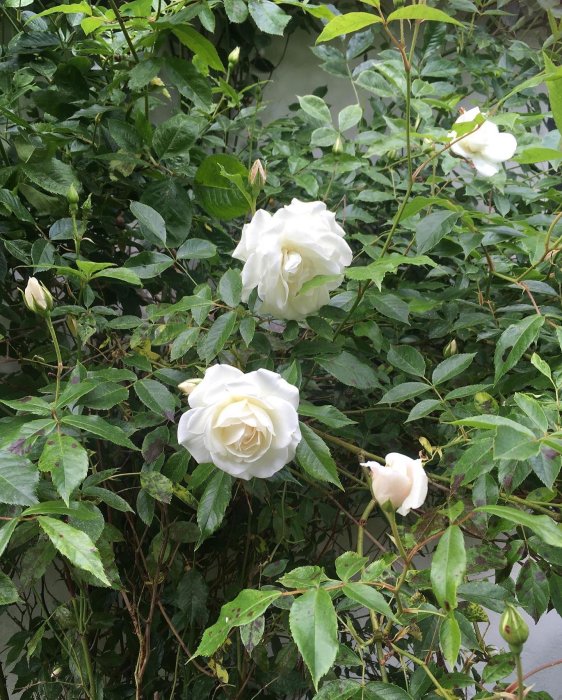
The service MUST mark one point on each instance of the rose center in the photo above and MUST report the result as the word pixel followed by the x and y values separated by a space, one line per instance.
pixel 244 429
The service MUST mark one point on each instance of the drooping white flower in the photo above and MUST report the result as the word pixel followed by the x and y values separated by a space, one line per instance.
pixel 486 147
pixel 245 424
pixel 37 297
pixel 285 250
pixel 402 481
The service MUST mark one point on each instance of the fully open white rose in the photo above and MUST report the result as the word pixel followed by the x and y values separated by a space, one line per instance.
pixel 485 147
pixel 245 424
pixel 284 250
pixel 402 481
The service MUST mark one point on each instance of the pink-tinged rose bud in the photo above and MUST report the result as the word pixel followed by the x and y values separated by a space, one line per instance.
pixel 258 176
pixel 402 482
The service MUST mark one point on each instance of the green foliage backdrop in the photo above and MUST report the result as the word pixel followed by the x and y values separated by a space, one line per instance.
pixel 128 139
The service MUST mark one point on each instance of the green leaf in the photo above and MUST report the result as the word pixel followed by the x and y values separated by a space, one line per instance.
pixel 404 391
pixel 8 592
pixel 248 605
pixel 268 16
pixel 431 229
pixel 315 459
pixel 314 628
pixel 251 633
pixel 101 428
pixel 157 485
pixel 422 12
pixel 378 269
pixel 451 367
pixel 236 10
pixel 219 196
pixel 541 365
pixel 488 421
pixel 18 480
pixel 201 47
pixel 554 88
pixel 543 526
pixel 368 597
pixel 450 639
pixel 217 335
pixel 518 337
pixel 175 136
pixel 348 564
pixel 349 370
pixel 196 249
pixel 151 223
pixel 329 415
pixel 537 155
pixel 183 343
pixel 156 397
pixel 52 175
pixel 391 306
pixel 6 532
pixel 213 504
pixel 230 287
pixel 67 461
pixel 71 8
pixel 303 577
pixel 75 545
pixel 422 409
pixel 490 595
pixel 408 359
pixel 448 567
pixel 349 117
pixel 532 589
pixel 344 24
pixel 316 108
pixel 122 274
pixel 532 408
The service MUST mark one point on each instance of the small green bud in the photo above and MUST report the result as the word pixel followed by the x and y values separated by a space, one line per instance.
pixel 485 403
pixel 37 297
pixel 72 195
pixel 234 56
pixel 451 349
pixel 338 145
pixel 513 628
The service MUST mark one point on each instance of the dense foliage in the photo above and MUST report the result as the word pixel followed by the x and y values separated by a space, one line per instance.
pixel 128 143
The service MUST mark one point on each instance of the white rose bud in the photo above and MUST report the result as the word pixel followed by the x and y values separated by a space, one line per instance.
pixel 257 176
pixel 245 424
pixel 485 147
pixel 402 481
pixel 37 297
pixel 285 250
pixel 189 385
pixel 234 56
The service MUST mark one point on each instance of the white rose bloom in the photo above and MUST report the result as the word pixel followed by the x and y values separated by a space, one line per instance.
pixel 245 424
pixel 188 385
pixel 402 481
pixel 284 250
pixel 486 147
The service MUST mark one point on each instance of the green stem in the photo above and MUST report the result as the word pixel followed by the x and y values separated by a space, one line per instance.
pixel 398 217
pixel 75 233
pixel 58 353
pixel 374 622
pixel 391 517
pixel 408 125
pixel 124 30
pixel 520 683
pixel 348 446
pixel 444 693
pixel 85 651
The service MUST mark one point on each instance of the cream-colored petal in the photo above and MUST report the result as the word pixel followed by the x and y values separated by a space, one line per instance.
pixel 499 149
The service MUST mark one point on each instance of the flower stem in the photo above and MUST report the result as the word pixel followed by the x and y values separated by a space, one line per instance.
pixel 58 353
pixel 374 622
pixel 520 680
pixel 391 517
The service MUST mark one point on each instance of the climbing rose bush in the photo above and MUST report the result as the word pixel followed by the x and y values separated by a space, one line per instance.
pixel 224 303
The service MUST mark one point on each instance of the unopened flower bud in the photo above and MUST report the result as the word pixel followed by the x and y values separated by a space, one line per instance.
pixel 72 195
pixel 189 385
pixel 485 403
pixel 234 56
pixel 258 176
pixel 513 628
pixel 338 145
pixel 37 297
pixel 451 349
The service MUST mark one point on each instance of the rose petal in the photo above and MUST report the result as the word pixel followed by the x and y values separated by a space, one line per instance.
pixel 501 148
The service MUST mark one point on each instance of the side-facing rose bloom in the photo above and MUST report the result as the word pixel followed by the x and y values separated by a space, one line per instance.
pixel 402 481
pixel 37 297
pixel 284 250
pixel 188 385
pixel 245 424
pixel 485 147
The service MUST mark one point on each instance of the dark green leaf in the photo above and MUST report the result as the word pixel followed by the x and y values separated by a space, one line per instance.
pixel 314 457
